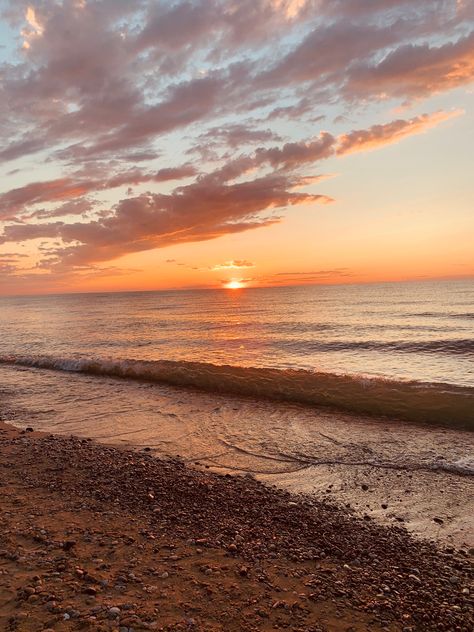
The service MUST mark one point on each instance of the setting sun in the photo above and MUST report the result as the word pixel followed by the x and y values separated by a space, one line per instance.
pixel 234 285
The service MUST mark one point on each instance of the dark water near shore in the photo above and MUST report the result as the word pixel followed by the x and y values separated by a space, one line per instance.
pixel 401 350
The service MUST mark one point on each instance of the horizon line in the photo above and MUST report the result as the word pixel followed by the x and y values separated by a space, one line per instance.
pixel 467 277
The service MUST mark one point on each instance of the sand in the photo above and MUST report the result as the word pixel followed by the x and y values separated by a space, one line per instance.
pixel 98 538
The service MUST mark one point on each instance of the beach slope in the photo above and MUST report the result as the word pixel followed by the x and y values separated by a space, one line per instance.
pixel 98 538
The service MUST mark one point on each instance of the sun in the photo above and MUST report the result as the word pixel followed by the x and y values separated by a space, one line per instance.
pixel 234 285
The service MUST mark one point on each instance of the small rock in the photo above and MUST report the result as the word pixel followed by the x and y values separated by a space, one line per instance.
pixel 90 590
pixel 69 544
pixel 417 579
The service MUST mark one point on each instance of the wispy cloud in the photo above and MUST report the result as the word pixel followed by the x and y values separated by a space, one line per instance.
pixel 235 264
pixel 388 133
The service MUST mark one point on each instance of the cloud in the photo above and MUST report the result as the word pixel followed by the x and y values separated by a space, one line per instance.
pixel 294 154
pixel 238 280
pixel 92 79
pixel 203 210
pixel 414 71
pixel 37 192
pixel 174 173
pixel 212 97
pixel 235 264
pixel 74 207
pixel 75 187
pixel 237 135
pixel 326 53
pixel 302 109
pixel 314 273
pixel 388 133
pixel 312 276
pixel 214 204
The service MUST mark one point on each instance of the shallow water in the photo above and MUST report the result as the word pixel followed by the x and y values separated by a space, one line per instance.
pixel 419 473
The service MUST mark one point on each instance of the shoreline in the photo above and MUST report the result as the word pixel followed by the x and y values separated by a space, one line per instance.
pixel 392 472
pixel 89 529
pixel 426 404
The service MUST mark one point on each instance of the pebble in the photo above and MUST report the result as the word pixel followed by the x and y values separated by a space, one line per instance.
pixel 208 510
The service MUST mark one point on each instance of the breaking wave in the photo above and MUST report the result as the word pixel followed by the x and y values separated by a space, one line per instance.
pixel 431 403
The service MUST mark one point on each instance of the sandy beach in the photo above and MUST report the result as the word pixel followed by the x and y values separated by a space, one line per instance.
pixel 99 538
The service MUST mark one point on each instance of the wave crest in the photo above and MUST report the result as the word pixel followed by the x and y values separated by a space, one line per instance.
pixel 413 401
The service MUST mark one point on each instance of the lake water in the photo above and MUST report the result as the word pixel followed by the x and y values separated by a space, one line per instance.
pixel 314 389
pixel 405 350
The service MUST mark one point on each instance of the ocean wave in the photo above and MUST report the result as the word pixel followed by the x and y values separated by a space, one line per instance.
pixel 455 346
pixel 462 315
pixel 431 403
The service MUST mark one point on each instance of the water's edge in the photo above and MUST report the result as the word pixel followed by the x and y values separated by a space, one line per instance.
pixel 430 403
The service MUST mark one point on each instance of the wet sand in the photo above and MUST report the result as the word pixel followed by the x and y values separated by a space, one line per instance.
pixel 392 472
pixel 99 538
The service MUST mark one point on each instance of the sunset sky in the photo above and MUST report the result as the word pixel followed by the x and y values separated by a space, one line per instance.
pixel 153 144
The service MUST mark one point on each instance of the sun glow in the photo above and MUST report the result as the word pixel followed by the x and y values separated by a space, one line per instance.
pixel 234 285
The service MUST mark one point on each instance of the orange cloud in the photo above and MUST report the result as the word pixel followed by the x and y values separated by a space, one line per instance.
pixel 388 133
pixel 235 264
pixel 73 187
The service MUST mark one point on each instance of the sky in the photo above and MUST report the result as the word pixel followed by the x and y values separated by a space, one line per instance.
pixel 161 144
